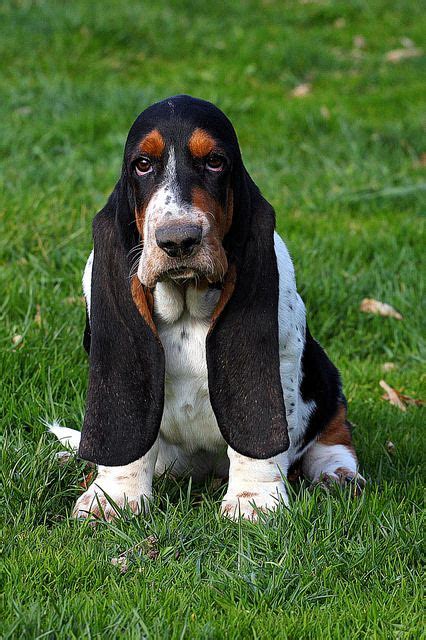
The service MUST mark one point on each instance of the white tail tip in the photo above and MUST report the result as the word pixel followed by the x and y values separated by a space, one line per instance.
pixel 69 437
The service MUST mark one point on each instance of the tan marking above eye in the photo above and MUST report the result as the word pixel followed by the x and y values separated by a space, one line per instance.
pixel 153 144
pixel 201 143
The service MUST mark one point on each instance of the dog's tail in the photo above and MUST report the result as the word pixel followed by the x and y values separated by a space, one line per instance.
pixel 69 437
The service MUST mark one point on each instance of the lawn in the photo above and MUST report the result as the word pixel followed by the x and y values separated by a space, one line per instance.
pixel 343 165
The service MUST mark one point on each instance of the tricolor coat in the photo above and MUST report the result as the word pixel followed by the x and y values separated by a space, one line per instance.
pixel 201 361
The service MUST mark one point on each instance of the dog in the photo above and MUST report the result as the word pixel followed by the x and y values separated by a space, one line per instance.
pixel 201 360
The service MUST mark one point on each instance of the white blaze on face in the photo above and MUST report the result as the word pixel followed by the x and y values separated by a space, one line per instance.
pixel 166 207
pixel 165 204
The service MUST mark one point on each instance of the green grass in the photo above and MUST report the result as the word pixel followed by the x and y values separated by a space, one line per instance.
pixel 343 168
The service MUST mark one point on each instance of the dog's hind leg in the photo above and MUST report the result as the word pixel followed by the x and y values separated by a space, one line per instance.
pixel 332 458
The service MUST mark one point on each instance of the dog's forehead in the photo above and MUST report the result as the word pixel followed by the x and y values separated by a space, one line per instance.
pixel 177 118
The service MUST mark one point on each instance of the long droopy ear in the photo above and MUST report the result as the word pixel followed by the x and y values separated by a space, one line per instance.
pixel 126 377
pixel 242 344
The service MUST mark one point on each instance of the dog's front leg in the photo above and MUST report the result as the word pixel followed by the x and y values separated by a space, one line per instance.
pixel 254 484
pixel 128 485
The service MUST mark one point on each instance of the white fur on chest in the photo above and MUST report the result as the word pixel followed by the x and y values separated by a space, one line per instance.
pixel 183 320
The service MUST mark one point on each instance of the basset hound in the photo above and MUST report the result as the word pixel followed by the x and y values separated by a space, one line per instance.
pixel 201 361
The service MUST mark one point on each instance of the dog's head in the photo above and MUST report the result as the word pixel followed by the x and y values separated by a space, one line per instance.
pixel 180 161
pixel 184 208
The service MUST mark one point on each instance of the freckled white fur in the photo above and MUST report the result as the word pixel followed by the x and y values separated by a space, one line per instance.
pixel 190 440
pixel 292 325
pixel 131 483
pixel 254 482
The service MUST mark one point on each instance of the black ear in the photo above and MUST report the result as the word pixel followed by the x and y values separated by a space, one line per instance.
pixel 126 378
pixel 242 344
pixel 87 333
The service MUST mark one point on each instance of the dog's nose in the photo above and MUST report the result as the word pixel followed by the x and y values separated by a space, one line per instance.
pixel 178 241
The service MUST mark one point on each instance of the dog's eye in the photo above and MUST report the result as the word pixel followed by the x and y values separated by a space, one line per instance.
pixel 215 162
pixel 143 166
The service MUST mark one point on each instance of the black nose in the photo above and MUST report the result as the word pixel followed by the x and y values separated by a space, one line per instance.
pixel 178 241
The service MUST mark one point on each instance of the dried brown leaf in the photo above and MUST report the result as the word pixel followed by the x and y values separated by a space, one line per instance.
pixel 388 366
pixel 17 340
pixel 325 112
pixel 398 398
pixel 369 305
pixel 402 54
pixel 392 396
pixel 339 23
pixel 359 42
pixel 37 317
pixel 302 90
pixel 147 547
pixel 413 401
pixel 121 562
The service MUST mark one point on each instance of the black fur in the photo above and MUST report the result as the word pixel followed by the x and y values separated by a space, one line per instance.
pixel 321 383
pixel 87 334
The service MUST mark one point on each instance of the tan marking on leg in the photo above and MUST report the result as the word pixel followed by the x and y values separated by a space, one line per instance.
pixel 246 494
pixel 144 301
pixel 337 431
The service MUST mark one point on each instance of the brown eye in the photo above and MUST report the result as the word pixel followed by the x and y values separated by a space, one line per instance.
pixel 215 162
pixel 143 166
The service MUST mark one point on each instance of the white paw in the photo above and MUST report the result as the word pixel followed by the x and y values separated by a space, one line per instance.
pixel 93 503
pixel 247 502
